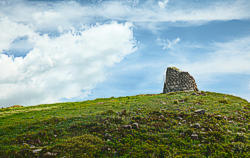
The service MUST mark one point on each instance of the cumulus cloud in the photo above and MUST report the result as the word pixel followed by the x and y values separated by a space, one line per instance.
pixel 64 66
pixel 10 31
pixel 163 4
pixel 168 44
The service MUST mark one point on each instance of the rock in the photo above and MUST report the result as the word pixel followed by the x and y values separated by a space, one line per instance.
pixel 36 151
pixel 243 129
pixel 39 141
pixel 177 80
pixel 124 112
pixel 107 135
pixel 162 117
pixel 196 125
pixel 201 93
pixel 198 103
pixel 238 133
pixel 118 113
pixel 32 146
pixel 224 117
pixel 218 117
pixel 164 103
pixel 135 125
pixel 179 118
pixel 194 136
pixel 49 154
pixel 163 110
pixel 194 94
pixel 181 101
pixel 200 111
pixel 127 126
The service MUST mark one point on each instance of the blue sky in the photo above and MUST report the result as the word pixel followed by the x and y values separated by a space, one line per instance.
pixel 57 51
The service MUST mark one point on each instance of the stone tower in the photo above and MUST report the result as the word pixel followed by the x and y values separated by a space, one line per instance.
pixel 177 80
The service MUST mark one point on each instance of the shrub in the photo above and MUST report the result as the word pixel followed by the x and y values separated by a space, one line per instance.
pixel 223 101
pixel 80 146
pixel 176 102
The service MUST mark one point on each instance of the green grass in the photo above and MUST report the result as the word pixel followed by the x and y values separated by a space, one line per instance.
pixel 156 125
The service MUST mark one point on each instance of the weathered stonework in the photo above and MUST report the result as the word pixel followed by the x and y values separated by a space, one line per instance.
pixel 177 80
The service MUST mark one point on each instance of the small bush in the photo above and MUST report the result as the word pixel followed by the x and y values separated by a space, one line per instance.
pixel 80 146
pixel 224 101
pixel 176 102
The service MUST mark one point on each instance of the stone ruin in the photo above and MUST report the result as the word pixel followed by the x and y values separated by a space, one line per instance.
pixel 177 80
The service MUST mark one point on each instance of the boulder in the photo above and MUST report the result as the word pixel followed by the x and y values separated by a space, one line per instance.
pixel 200 111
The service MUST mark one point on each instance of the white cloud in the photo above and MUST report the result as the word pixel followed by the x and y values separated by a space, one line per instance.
pixel 51 15
pixel 10 31
pixel 224 59
pixel 163 4
pixel 168 44
pixel 228 57
pixel 66 66
pixel 151 12
pixel 63 65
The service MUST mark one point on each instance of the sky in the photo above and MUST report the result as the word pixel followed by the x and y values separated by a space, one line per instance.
pixel 74 50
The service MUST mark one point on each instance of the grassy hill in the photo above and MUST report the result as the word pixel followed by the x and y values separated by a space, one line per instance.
pixel 177 124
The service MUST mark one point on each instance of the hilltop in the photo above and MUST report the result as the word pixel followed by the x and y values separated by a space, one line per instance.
pixel 189 124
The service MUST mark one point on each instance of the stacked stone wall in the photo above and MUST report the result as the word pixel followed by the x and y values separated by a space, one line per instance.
pixel 177 80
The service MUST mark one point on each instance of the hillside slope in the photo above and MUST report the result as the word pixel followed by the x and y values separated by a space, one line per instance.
pixel 157 125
